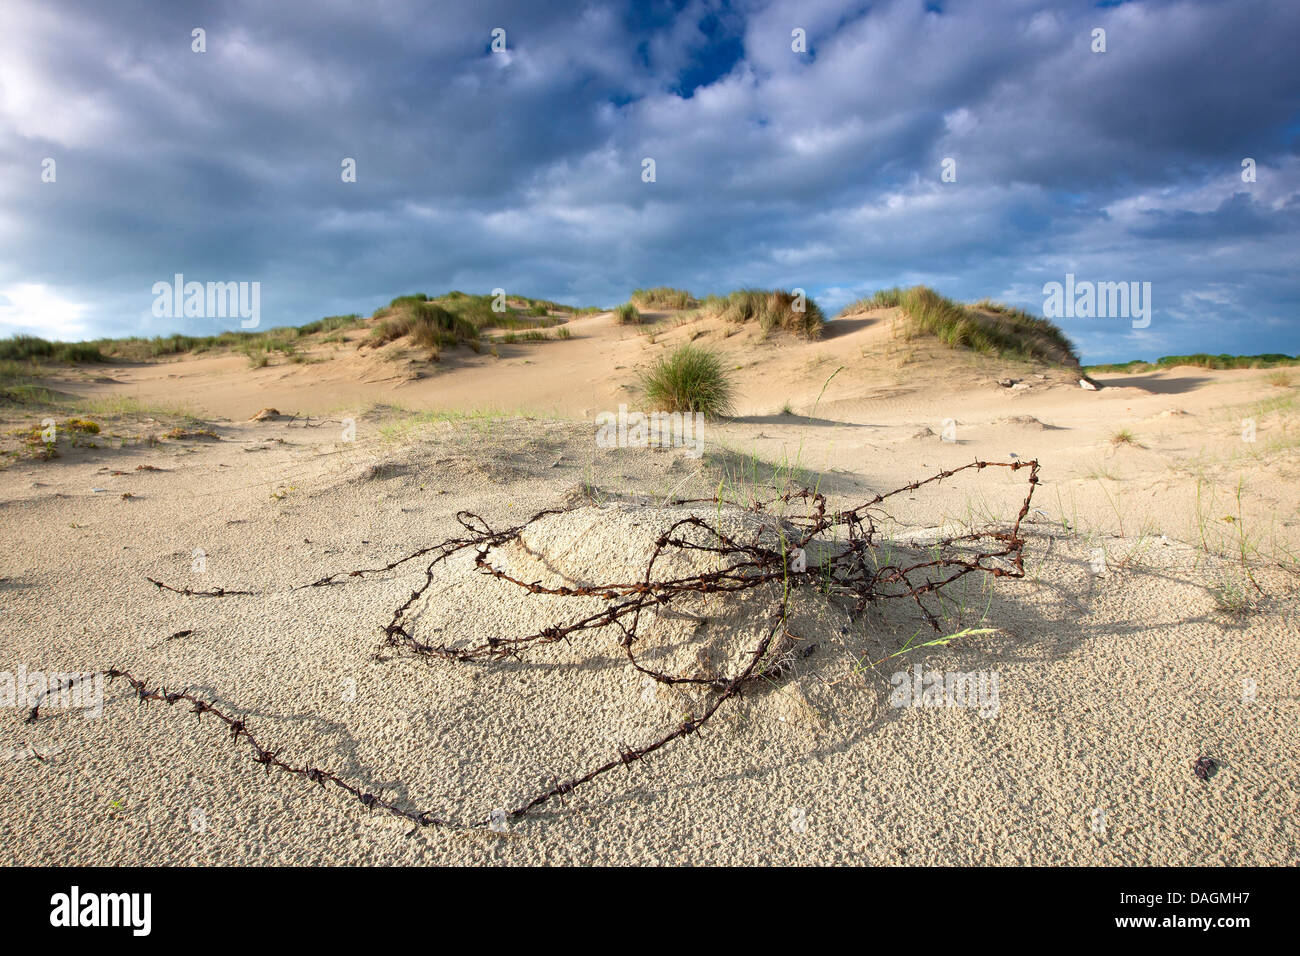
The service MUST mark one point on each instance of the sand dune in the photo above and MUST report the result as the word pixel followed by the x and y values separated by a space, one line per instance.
pixel 1157 622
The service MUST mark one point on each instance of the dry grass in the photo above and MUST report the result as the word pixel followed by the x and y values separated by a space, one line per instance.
pixel 427 324
pixel 663 297
pixel 986 326
pixel 772 310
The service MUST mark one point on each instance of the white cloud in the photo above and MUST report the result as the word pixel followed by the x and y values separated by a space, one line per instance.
pixel 35 309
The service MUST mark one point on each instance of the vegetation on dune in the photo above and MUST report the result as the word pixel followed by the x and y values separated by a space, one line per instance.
pixel 27 347
pixel 526 335
pixel 1201 360
pixel 427 323
pixel 331 323
pixel 283 340
pixel 17 386
pixel 986 326
pixel 989 326
pixel 458 318
pixel 882 299
pixel 771 309
pixel 137 349
pixel 74 428
pixel 664 297
pixel 689 379
pixel 461 316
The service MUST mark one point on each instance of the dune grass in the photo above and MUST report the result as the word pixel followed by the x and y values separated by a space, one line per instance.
pixel 882 299
pixel 689 379
pixel 627 314
pixel 526 335
pixel 28 347
pixel 467 312
pixel 1200 360
pixel 987 326
pixel 664 297
pixel 19 370
pixel 17 383
pixel 23 394
pixel 331 323
pixel 771 309
pixel 428 324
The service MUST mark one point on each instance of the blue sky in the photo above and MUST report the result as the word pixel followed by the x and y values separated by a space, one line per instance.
pixel 523 169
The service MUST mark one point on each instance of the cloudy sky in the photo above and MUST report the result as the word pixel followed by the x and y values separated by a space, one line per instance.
pixel 523 169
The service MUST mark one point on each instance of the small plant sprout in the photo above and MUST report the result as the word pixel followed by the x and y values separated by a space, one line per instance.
pixel 910 645
pixel 1232 599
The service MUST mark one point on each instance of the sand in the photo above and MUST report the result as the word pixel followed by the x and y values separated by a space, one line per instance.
pixel 1113 675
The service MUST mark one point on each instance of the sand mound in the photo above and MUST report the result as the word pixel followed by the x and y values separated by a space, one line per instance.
pixel 1025 421
pixel 694 635
pixel 615 543
pixel 697 634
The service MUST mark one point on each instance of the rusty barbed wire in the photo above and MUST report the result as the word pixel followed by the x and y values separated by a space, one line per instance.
pixel 305 421
pixel 190 592
pixel 848 572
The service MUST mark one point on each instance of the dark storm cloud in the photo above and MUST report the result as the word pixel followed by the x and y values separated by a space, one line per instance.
pixel 523 169
pixel 1235 217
